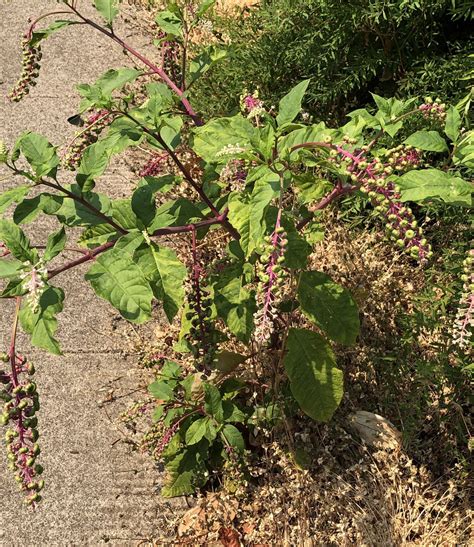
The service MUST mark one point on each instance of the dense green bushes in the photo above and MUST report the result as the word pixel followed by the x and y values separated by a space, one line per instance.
pixel 348 49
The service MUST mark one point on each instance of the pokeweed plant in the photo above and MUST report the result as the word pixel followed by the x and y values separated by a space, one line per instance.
pixel 263 178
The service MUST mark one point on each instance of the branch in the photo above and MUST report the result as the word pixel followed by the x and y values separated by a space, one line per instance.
pixel 337 192
pixel 187 175
pixel 90 255
pixel 85 203
pixel 154 68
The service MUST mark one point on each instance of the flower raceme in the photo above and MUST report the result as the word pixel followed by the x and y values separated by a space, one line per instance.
pixel 19 392
pixel 464 322
pixel 31 65
pixel 271 276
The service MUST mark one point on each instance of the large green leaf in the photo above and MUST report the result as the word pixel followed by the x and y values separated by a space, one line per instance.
pixel 434 184
pixel 453 123
pixel 9 268
pixel 169 22
pixel 108 9
pixel 117 279
pixel 14 195
pixel 185 473
pixel 16 241
pixel 40 154
pixel 290 105
pixel 166 275
pixel 233 437
pixel 42 324
pixel 211 140
pixel 29 208
pixel 430 141
pixel 315 381
pixel 55 244
pixel 329 306
pixel 213 402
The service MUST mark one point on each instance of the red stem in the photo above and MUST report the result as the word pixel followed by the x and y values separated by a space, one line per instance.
pixel 161 231
pixel 154 68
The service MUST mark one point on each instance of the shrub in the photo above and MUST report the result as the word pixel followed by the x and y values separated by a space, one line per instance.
pixel 257 323
pixel 348 49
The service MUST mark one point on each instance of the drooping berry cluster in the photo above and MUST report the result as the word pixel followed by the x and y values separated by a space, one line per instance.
pixel 200 311
pixel 371 176
pixel 31 65
pixel 433 109
pixel 271 275
pixel 251 105
pixel 3 152
pixel 155 165
pixel 95 124
pixel 170 54
pixel 464 322
pixel 234 175
pixel 19 392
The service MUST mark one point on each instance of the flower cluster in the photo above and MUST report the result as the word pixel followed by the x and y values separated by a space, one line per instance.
pixel 251 105
pixel 155 165
pixel 30 63
pixel 199 314
pixel 234 175
pixel 372 178
pixel 271 276
pixel 433 109
pixel 21 404
pixel 95 124
pixel 34 277
pixel 464 322
pixel 230 150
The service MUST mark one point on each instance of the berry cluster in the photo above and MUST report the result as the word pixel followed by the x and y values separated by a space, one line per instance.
pixel 272 276
pixel 95 124
pixel 371 176
pixel 201 332
pixel 31 65
pixel 170 53
pixel 155 165
pixel 433 109
pixel 464 322
pixel 234 175
pixel 21 404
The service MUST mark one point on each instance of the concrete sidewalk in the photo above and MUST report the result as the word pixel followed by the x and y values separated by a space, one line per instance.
pixel 97 489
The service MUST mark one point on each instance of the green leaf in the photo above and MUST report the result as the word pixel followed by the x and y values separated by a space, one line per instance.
pixel 290 105
pixel 14 195
pixel 143 204
pixel 213 402
pixel 55 244
pixel 315 381
pixel 430 141
pixel 205 6
pixel 420 185
pixel 42 324
pixel 185 473
pixel 227 361
pixel 108 9
pixel 28 209
pixel 74 213
pixel 39 35
pixel 198 430
pixel 94 162
pixel 166 274
pixel 233 437
pixel 9 268
pixel 232 412
pixel 329 306
pixel 265 189
pixel 211 140
pixel 16 241
pixel 40 154
pixel 169 22
pixel 453 123
pixel 116 279
pixel 204 61
pixel 161 390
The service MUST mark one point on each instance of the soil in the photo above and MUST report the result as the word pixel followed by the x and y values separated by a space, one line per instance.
pixel 98 490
